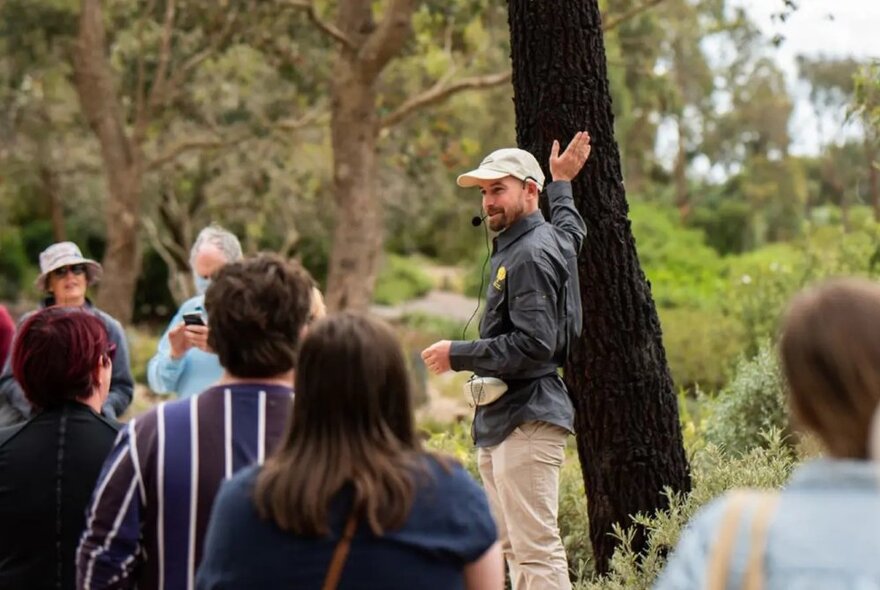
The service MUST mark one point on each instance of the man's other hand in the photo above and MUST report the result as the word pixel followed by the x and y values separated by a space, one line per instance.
pixel 436 357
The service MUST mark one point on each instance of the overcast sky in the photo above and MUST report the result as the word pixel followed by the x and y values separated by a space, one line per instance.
pixel 819 27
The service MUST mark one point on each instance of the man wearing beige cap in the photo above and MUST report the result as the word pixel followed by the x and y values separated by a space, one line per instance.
pixel 64 276
pixel 523 412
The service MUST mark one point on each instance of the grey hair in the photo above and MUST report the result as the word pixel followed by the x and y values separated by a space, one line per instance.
pixel 222 239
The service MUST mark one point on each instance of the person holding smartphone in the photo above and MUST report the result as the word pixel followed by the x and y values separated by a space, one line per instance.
pixel 184 362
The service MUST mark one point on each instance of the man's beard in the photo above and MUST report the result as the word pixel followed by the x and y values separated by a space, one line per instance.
pixel 499 223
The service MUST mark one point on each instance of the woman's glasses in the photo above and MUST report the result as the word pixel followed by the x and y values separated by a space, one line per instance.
pixel 77 269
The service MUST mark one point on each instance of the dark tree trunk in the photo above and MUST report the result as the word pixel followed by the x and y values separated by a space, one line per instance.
pixel 629 437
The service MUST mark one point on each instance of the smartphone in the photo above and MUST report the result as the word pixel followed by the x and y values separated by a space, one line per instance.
pixel 193 319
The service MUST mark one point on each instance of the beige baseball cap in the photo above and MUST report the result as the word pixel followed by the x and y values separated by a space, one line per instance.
pixel 505 162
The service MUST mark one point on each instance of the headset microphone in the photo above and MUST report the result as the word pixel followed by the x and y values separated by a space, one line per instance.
pixel 477 220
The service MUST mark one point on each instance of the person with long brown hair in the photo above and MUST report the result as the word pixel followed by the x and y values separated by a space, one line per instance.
pixel 821 530
pixel 351 498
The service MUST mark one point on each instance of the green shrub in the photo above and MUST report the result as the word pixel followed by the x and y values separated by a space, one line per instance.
pixel 713 472
pixel 141 347
pixel 683 270
pixel 760 283
pixel 701 346
pixel 14 265
pixel 754 402
pixel 400 279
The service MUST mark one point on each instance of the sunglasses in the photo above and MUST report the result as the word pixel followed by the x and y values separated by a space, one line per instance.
pixel 77 269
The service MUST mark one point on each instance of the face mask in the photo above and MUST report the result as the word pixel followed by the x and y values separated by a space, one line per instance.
pixel 201 284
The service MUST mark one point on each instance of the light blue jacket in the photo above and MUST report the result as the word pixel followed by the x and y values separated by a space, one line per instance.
pixel 824 534
pixel 194 372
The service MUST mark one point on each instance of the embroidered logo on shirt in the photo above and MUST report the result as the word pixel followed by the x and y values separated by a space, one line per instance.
pixel 499 277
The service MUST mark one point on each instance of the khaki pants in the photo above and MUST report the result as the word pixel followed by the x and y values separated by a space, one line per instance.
pixel 521 477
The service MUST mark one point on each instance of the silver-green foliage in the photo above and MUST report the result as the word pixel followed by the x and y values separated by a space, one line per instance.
pixel 754 402
pixel 714 472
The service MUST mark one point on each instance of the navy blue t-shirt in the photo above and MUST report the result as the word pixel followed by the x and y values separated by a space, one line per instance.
pixel 448 527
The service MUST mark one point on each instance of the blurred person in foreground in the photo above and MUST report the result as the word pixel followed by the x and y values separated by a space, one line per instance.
pixel 821 530
pixel 148 516
pixel 48 465
pixel 184 362
pixel 65 275
pixel 350 498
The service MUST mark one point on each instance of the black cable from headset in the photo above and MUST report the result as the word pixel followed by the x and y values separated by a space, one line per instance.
pixel 482 282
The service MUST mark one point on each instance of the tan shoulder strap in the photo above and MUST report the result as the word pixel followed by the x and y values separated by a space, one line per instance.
pixel 754 576
pixel 722 550
pixel 340 554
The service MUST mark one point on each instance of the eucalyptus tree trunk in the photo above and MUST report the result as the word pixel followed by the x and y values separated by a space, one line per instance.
pixel 628 433
pixel 123 163
pixel 365 49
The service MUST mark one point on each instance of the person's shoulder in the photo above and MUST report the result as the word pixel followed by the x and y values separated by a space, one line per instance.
pixel 108 423
pixel 192 304
pixel 8 433
pixel 448 480
pixel 237 491
pixel 244 479
pixel 111 322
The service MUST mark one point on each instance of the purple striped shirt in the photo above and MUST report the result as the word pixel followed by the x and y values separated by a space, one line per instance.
pixel 149 513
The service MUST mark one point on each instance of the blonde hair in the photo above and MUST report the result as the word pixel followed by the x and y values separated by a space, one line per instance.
pixel 318 309
pixel 830 352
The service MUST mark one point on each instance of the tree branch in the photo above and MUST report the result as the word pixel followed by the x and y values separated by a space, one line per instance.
pixel 141 84
pixel 619 19
pixel 325 27
pixel 388 38
pixel 176 79
pixel 157 88
pixel 310 118
pixel 194 145
pixel 440 92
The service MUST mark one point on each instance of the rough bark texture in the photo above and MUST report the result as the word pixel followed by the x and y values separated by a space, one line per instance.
pixel 629 437
pixel 354 127
pixel 123 163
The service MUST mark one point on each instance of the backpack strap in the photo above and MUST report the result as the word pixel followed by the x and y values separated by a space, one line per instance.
pixel 721 553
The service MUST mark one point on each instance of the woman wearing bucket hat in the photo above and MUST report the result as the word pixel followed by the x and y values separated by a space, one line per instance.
pixel 64 276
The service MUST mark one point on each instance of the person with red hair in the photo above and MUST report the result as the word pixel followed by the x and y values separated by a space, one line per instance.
pixel 63 360
pixel 7 329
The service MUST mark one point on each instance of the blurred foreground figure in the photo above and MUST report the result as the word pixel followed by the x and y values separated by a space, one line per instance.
pixel 821 531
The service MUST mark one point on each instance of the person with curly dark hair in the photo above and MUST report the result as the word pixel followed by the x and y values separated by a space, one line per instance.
pixel 63 360
pixel 150 509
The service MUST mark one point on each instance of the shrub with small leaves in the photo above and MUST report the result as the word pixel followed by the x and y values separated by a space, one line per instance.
pixel 714 472
pixel 753 402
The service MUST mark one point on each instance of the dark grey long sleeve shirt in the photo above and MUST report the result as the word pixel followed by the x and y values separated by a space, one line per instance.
pixel 533 312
